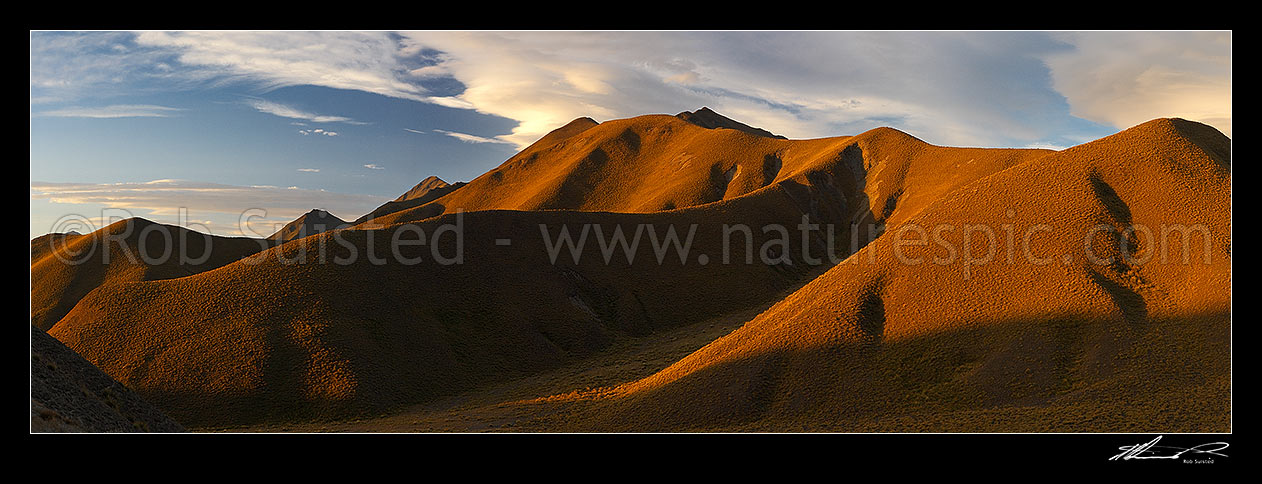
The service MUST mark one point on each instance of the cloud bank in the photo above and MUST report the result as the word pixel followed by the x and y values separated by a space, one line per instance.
pixel 1126 78
pixel 225 205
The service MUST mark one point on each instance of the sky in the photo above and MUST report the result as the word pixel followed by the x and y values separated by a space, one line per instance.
pixel 237 132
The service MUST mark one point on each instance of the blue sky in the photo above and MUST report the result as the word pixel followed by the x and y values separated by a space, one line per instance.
pixel 201 127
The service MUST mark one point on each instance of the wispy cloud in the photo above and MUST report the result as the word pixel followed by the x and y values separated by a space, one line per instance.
pixel 285 111
pixel 114 111
pixel 363 61
pixel 77 65
pixel 309 170
pixel 410 130
pixel 469 138
pixel 374 166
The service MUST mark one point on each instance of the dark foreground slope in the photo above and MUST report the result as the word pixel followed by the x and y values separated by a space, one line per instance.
pixel 1096 322
pixel 68 394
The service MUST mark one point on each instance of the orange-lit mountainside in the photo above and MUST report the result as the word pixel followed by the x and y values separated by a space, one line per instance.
pixel 886 315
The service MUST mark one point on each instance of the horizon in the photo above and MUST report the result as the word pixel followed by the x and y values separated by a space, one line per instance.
pixel 199 127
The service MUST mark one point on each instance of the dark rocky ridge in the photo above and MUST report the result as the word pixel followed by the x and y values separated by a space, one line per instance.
pixel 69 394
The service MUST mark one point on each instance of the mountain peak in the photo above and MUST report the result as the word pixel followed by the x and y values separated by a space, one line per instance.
pixel 427 185
pixel 707 118
pixel 313 222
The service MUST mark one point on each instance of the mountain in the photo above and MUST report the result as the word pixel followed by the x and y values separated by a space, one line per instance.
pixel 1097 323
pixel 64 268
pixel 657 162
pixel 709 119
pixel 68 394
pixel 310 223
pixel 427 185
pixel 424 192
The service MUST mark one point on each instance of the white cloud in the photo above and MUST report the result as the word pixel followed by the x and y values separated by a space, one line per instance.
pixel 317 131
pixel 285 111
pixel 115 111
pixel 1045 146
pixel 413 131
pixel 309 170
pixel 373 166
pixel 1127 78
pixel 469 138
pixel 163 200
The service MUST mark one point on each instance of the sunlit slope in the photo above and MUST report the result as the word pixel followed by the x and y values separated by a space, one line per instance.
pixel 1070 335
pixel 135 249
pixel 429 184
pixel 43 245
pixel 659 162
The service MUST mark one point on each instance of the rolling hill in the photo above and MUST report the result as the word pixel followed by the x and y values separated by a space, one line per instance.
pixel 1100 322
pixel 657 162
pixel 64 268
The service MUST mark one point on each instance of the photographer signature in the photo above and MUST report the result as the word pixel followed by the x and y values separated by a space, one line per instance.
pixel 1151 450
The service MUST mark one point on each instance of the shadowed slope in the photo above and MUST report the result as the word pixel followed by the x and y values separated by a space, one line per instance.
pixel 134 249
pixel 266 339
pixel 921 337
pixel 417 199
pixel 68 394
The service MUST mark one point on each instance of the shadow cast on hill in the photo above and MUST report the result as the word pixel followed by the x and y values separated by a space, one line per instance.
pixel 1044 374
